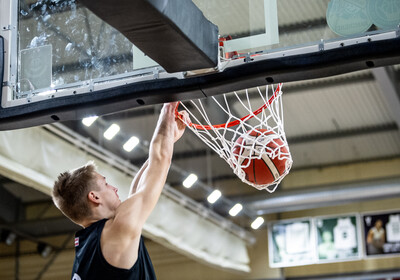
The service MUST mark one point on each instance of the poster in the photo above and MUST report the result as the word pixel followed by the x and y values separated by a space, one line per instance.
pixel 382 233
pixel 291 243
pixel 337 238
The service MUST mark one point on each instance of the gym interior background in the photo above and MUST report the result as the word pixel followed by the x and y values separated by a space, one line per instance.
pixel 343 132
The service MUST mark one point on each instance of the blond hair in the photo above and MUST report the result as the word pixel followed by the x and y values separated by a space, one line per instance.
pixel 71 189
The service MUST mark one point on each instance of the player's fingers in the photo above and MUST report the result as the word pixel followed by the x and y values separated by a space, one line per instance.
pixel 184 116
pixel 171 106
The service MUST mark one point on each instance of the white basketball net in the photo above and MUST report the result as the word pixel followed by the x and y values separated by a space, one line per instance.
pixel 260 111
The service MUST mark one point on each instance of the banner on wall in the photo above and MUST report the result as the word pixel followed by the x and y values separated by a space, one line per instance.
pixel 291 243
pixel 337 238
pixel 382 233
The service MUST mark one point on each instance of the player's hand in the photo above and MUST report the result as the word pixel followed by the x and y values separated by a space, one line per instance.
pixel 180 125
pixel 175 122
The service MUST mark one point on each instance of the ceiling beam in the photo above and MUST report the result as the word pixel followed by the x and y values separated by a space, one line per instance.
pixel 333 135
pixel 335 164
pixel 389 85
pixel 323 197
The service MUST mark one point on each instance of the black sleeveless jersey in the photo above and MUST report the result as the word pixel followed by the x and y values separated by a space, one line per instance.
pixel 90 263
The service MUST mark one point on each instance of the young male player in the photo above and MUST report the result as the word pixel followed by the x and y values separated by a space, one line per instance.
pixel 110 246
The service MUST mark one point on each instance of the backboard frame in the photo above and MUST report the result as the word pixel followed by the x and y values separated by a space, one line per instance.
pixel 8 32
pixel 1 64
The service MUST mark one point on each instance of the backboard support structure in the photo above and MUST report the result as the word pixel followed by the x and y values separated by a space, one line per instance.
pixel 167 31
pixel 103 79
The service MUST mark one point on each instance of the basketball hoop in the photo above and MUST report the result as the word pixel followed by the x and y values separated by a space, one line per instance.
pixel 255 145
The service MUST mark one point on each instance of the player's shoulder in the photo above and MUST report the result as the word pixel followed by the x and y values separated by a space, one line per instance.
pixel 120 229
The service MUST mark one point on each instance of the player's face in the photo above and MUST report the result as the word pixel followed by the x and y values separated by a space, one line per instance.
pixel 108 192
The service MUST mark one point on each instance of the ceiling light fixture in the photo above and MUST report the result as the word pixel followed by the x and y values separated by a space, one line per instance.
pixel 111 131
pixel 190 180
pixel 131 143
pixel 44 250
pixel 89 120
pixel 257 223
pixel 8 237
pixel 214 196
pixel 235 209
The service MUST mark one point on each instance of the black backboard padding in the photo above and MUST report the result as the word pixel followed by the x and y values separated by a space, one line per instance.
pixel 1 64
pixel 174 33
pixel 292 68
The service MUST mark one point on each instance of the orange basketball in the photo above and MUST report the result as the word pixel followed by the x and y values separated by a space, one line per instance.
pixel 269 167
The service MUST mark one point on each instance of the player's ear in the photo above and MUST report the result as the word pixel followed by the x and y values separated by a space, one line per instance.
pixel 93 197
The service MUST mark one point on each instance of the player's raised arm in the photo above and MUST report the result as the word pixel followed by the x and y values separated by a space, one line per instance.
pixel 147 185
pixel 136 179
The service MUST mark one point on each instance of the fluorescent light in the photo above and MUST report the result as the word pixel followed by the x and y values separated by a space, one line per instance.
pixel 44 250
pixel 213 197
pixel 89 121
pixel 111 131
pixel 10 238
pixel 235 209
pixel 189 181
pixel 257 223
pixel 131 143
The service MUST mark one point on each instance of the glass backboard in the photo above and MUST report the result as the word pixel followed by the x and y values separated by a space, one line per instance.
pixel 60 49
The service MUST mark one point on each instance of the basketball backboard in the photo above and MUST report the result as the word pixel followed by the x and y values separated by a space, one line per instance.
pixel 62 62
